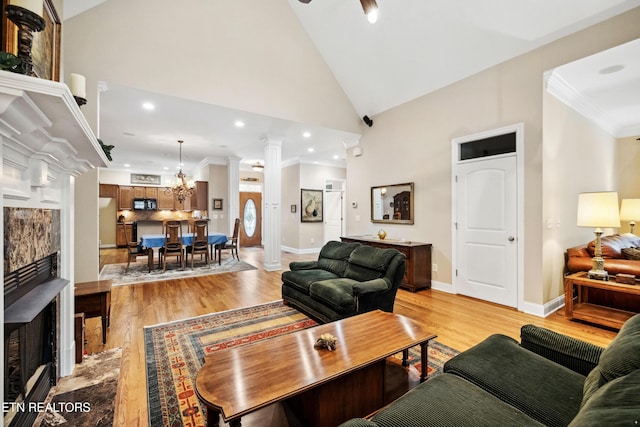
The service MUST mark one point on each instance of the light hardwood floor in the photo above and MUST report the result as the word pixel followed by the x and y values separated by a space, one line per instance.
pixel 460 322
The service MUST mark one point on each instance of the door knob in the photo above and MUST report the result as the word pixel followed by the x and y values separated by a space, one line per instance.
pixel 511 238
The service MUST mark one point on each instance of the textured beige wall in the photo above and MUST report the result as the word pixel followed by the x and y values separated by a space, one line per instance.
pixel 412 143
pixel 250 55
pixel 86 228
pixel 628 169
pixel 578 157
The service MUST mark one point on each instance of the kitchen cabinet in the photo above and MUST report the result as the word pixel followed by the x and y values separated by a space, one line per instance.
pixel 151 192
pixel 122 231
pixel 125 198
pixel 139 192
pixel 200 197
pixel 165 201
pixel 109 191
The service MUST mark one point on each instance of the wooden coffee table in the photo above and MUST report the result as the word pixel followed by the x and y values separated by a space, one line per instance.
pixel 322 388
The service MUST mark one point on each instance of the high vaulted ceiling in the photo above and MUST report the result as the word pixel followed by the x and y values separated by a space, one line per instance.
pixel 416 47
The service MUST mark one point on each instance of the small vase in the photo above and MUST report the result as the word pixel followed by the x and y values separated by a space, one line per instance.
pixel 382 234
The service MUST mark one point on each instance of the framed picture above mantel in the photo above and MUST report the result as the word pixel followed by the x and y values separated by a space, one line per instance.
pixel 45 51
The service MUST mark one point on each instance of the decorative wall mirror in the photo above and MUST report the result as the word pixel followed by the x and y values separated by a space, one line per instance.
pixel 392 204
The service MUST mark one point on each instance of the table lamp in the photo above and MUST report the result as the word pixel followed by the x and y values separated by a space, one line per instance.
pixel 598 210
pixel 630 211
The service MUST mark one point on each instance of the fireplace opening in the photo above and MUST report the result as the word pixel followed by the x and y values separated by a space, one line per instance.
pixel 31 299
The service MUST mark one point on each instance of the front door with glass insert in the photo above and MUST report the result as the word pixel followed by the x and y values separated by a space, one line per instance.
pixel 251 215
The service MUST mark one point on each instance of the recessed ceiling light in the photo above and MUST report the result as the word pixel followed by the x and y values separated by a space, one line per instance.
pixel 148 106
pixel 166 168
pixel 307 134
pixel 239 124
pixel 310 150
pixel 126 165
pixel 336 157
pixel 612 69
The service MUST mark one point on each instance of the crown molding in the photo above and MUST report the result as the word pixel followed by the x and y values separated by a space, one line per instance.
pixel 585 106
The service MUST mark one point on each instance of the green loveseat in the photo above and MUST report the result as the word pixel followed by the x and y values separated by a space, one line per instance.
pixel 346 279
pixel 548 379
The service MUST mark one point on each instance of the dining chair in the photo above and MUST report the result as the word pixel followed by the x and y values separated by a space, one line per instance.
pixel 172 242
pixel 135 250
pixel 200 242
pixel 231 243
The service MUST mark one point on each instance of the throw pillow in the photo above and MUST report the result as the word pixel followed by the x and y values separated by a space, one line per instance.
pixel 631 253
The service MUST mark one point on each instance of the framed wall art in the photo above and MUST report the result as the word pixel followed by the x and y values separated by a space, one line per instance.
pixel 140 178
pixel 310 205
pixel 45 51
pixel 217 204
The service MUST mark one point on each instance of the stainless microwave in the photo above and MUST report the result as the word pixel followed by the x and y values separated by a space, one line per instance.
pixel 145 204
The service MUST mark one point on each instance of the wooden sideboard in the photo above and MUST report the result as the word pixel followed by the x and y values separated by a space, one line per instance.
pixel 417 274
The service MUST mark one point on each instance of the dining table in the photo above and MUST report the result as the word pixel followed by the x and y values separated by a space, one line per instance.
pixel 153 241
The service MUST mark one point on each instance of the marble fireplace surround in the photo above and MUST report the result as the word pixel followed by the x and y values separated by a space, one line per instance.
pixel 46 142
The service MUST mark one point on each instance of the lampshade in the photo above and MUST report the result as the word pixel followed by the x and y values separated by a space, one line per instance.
pixel 630 210
pixel 598 209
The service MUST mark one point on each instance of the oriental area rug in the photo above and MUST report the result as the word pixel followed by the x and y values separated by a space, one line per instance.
pixel 174 354
pixel 139 272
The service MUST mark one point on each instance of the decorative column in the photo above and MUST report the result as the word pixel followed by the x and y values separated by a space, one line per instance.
pixel 66 308
pixel 272 213
pixel 233 179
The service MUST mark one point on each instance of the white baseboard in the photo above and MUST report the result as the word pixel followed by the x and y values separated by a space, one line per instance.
pixel 543 310
pixel 300 251
pixel 108 246
pixel 540 310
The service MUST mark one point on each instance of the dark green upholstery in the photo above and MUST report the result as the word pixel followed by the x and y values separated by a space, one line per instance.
pixel 447 400
pixel 575 354
pixel 347 279
pixel 544 390
pixel 620 358
pixel 537 382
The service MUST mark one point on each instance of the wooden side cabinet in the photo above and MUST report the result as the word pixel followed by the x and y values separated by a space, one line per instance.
pixel 417 274
pixel 578 285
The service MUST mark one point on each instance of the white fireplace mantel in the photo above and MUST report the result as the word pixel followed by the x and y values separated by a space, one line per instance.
pixel 44 134
pixel 46 142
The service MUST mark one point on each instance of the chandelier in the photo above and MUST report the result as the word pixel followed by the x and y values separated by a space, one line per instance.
pixel 181 187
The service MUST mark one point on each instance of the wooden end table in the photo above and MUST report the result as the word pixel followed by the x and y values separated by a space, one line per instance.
pixel 324 388
pixel 582 309
pixel 94 300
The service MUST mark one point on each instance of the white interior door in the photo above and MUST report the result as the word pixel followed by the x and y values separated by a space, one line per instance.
pixel 486 218
pixel 332 211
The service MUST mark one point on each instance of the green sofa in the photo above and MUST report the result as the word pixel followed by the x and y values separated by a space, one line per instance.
pixel 547 379
pixel 346 279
